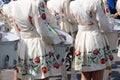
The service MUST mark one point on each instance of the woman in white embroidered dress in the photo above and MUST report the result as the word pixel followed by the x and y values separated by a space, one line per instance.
pixel 60 9
pixel 92 52
pixel 36 58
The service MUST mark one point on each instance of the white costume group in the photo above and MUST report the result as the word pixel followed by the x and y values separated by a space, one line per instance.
pixel 35 53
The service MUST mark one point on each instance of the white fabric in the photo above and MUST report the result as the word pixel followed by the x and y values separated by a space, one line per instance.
pixel 118 6
pixel 90 34
pixel 7 9
pixel 35 51
pixel 61 9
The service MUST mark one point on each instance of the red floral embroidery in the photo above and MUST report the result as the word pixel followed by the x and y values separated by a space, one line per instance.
pixel 43 16
pixel 37 60
pixel 111 57
pixel 30 19
pixel 17 28
pixel 75 18
pixel 50 54
pixel 102 61
pixel 78 53
pixel 110 74
pixel 56 65
pixel 106 10
pixel 44 69
pixel 95 52
pixel 91 14
pixel 43 6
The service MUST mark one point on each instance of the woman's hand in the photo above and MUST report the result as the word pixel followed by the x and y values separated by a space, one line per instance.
pixel 114 15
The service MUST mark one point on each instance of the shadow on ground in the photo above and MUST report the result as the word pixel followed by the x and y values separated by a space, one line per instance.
pixel 116 70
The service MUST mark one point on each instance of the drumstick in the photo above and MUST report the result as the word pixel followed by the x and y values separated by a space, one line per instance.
pixel 52 29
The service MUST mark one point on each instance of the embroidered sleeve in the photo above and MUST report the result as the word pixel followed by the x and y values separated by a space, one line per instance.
pixel 102 19
pixel 39 21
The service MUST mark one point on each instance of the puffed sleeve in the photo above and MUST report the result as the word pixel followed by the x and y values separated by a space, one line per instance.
pixel 7 9
pixel 101 18
pixel 73 7
pixel 40 24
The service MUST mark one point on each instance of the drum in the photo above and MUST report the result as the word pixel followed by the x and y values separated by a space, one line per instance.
pixel 2 24
pixel 116 26
pixel 8 47
pixel 9 36
pixel 113 35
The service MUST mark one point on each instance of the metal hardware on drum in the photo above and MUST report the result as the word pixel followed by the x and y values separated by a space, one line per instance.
pixel 8 47
pixel 4 27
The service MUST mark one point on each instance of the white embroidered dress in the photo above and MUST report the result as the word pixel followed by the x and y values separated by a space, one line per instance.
pixel 35 53
pixel 91 48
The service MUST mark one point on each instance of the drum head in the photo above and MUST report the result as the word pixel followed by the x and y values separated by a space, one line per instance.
pixel 117 21
pixel 2 24
pixel 9 36
pixel 69 39
pixel 116 26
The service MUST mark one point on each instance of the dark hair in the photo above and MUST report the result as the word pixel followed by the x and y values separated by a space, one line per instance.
pixel 6 1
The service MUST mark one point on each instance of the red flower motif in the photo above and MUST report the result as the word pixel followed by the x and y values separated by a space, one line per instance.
pixel 106 10
pixel 56 65
pixel 30 19
pixel 37 60
pixel 50 54
pixel 95 52
pixel 78 53
pixel 43 16
pixel 91 14
pixel 110 74
pixel 44 69
pixel 17 28
pixel 43 6
pixel 111 57
pixel 102 61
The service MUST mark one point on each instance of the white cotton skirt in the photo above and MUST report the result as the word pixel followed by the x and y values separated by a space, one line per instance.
pixel 36 59
pixel 92 51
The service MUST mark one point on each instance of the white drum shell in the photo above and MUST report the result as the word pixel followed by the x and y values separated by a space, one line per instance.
pixel 8 48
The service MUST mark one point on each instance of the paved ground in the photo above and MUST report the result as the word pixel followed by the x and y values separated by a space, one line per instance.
pixel 116 68
pixel 115 71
